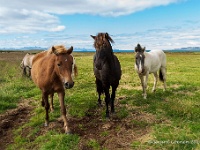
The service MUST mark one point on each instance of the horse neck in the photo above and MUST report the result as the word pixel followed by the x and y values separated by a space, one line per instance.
pixel 110 57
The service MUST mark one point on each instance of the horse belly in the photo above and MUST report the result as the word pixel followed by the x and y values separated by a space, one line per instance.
pixel 154 69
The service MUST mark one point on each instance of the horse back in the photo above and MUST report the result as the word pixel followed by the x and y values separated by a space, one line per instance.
pixel 27 60
pixel 43 71
pixel 154 60
pixel 161 57
pixel 39 56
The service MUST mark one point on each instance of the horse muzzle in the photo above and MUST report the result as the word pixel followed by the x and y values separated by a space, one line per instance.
pixel 68 85
pixel 141 71
pixel 98 67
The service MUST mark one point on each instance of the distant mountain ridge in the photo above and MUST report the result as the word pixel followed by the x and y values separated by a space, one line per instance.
pixel 185 49
pixel 93 50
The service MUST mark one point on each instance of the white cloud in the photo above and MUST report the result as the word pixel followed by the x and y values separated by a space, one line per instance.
pixel 24 16
pixel 27 21
pixel 166 38
pixel 58 28
pixel 102 7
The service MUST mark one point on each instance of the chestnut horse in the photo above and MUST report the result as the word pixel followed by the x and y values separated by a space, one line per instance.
pixel 107 69
pixel 52 72
pixel 150 62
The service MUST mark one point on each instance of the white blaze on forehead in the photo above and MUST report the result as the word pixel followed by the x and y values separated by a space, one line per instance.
pixel 65 59
pixel 140 66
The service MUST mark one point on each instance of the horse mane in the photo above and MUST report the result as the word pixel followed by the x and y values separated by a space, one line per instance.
pixel 109 38
pixel 100 38
pixel 59 49
pixel 138 48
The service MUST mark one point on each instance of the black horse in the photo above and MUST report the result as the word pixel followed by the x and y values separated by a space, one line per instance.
pixel 107 69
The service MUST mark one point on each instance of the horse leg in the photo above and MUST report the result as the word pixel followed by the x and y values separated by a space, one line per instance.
pixel 45 103
pixel 107 100
pixel 29 72
pixel 145 85
pixel 51 102
pixel 99 90
pixel 63 111
pixel 24 71
pixel 113 98
pixel 163 71
pixel 155 81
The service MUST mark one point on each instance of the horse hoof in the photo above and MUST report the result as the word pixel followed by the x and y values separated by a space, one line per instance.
pixel 46 124
pixel 112 113
pixel 100 105
pixel 107 116
pixel 68 132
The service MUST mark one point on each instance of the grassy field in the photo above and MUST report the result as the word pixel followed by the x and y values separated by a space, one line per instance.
pixel 165 120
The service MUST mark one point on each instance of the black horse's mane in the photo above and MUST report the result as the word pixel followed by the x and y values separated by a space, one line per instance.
pixel 99 39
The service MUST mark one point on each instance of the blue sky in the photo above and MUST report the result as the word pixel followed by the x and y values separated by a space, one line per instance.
pixel 155 24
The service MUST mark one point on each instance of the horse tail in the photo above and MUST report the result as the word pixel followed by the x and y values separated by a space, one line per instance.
pixel 161 76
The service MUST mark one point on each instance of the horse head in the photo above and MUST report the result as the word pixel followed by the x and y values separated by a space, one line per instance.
pixel 64 65
pixel 139 58
pixel 103 49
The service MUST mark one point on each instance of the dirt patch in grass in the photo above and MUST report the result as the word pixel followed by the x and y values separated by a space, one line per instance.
pixel 113 133
pixel 11 120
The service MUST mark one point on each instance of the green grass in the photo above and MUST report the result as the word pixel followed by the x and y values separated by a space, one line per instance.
pixel 172 117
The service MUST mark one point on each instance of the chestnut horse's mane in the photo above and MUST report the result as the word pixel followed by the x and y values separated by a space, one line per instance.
pixel 60 49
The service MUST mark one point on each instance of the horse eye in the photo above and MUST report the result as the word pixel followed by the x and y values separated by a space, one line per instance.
pixel 59 65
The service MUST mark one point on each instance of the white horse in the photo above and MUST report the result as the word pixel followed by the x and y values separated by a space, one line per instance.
pixel 27 64
pixel 150 62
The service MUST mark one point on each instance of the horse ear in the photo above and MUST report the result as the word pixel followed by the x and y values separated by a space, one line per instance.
pixel 136 49
pixel 54 50
pixel 107 36
pixel 69 51
pixel 143 49
pixel 93 36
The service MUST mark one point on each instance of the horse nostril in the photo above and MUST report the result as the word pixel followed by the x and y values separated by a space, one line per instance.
pixel 66 84
pixel 98 66
pixel 69 85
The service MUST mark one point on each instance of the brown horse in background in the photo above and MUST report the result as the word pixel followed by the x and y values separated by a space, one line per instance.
pixel 107 69
pixel 52 72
